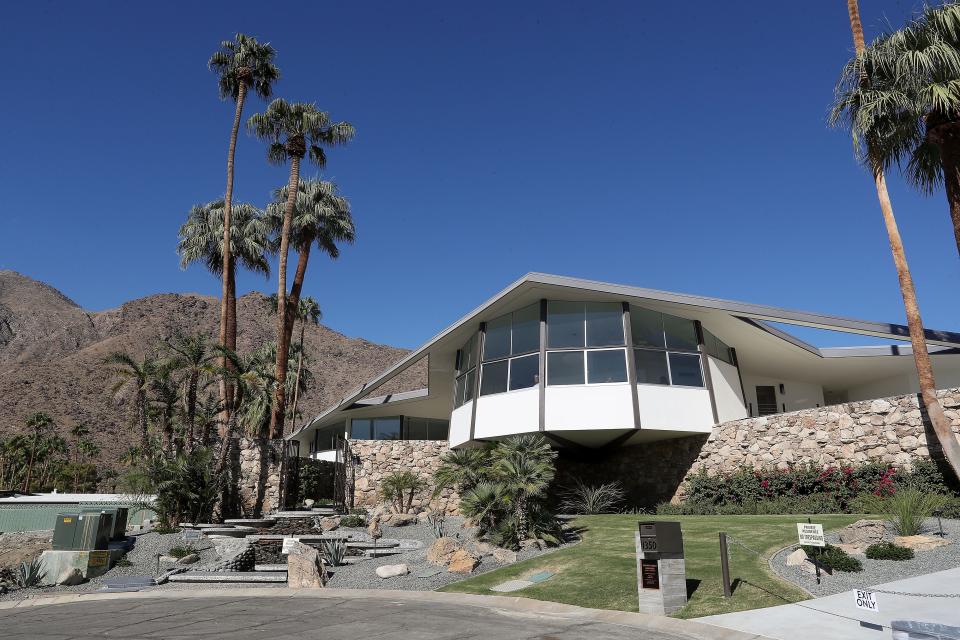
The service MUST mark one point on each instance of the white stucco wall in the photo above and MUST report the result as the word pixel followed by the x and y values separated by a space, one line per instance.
pixel 330 455
pixel 674 408
pixel 503 414
pixel 601 406
pixel 460 424
pixel 798 395
pixel 946 372
pixel 726 390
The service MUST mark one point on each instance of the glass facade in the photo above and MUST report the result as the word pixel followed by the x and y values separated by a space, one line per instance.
pixel 466 373
pixel 398 428
pixel 717 348
pixel 665 349
pixel 511 352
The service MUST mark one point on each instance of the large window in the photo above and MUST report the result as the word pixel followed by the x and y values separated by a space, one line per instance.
pixel 717 348
pixel 397 428
pixel 425 429
pixel 511 346
pixel 466 373
pixel 665 349
pixel 375 428
pixel 576 335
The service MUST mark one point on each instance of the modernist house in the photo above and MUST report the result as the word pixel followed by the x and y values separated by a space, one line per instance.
pixel 592 364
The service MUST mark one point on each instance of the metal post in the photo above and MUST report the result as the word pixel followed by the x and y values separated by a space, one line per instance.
pixel 725 566
pixel 816 562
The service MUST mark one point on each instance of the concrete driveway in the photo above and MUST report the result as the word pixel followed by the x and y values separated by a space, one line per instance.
pixel 281 614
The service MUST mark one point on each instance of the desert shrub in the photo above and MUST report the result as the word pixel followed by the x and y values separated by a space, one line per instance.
pixel 311 480
pixel 123 562
pixel 591 499
pixel 906 510
pixel 438 523
pixel 186 486
pixel 352 520
pixel 834 558
pixel 181 552
pixel 29 573
pixel 950 508
pixel 888 551
pixel 925 477
pixel 334 551
pixel 400 488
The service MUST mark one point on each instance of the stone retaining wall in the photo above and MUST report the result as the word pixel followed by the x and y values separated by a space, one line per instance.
pixel 248 468
pixel 890 430
pixel 374 459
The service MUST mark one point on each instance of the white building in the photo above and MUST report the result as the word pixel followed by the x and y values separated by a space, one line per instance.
pixel 592 364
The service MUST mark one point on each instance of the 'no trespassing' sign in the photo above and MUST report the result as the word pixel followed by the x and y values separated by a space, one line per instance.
pixel 811 534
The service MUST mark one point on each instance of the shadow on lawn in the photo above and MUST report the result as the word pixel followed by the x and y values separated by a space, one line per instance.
pixel 692 585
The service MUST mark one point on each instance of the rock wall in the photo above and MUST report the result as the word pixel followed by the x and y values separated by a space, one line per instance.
pixel 893 430
pixel 374 459
pixel 249 471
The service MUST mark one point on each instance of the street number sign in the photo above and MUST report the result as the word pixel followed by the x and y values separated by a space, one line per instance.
pixel 866 600
pixel 811 534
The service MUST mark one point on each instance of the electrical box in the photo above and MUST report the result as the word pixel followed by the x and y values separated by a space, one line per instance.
pixel 65 530
pixel 118 516
pixel 93 531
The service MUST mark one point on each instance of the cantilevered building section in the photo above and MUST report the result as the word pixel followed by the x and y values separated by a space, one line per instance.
pixel 593 364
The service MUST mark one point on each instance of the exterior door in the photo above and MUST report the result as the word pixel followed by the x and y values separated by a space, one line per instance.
pixel 766 400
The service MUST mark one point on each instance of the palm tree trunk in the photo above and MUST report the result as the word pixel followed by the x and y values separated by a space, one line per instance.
pixel 228 275
pixel 296 386
pixel 928 389
pixel 192 405
pixel 33 451
pixel 283 341
pixel 293 300
pixel 950 158
pixel 142 419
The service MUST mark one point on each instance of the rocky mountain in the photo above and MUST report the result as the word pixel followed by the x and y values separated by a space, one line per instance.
pixel 52 351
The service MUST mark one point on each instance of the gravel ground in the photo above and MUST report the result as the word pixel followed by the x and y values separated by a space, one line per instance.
pixel 363 574
pixel 876 571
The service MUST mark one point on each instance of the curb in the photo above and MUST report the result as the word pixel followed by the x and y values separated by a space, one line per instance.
pixel 505 604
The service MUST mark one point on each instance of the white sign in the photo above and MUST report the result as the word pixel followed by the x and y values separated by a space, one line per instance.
pixel 287 543
pixel 866 600
pixel 811 534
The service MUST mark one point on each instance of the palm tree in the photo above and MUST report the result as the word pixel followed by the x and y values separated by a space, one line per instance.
pixel 166 394
pixel 202 239
pixel 240 64
pixel 524 466
pixel 78 431
pixel 138 375
pixel 253 382
pixel 37 423
pixel 855 89
pixel 293 130
pixel 905 88
pixel 191 354
pixel 308 311
pixel 207 418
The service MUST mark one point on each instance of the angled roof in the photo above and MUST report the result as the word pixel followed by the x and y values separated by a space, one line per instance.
pixel 753 314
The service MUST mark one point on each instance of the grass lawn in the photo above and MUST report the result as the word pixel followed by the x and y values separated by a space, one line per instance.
pixel 600 571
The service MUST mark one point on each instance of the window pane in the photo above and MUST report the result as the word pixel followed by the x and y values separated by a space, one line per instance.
pixel 565 367
pixel 458 392
pixel 496 342
pixel 685 369
pixel 606 366
pixel 604 324
pixel 438 430
pixel 681 333
pixel 526 330
pixel 494 378
pixel 466 355
pixel 565 324
pixel 647 327
pixel 386 428
pixel 416 429
pixel 651 367
pixel 470 381
pixel 360 429
pixel 524 372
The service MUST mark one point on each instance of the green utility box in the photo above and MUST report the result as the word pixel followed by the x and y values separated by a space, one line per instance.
pixel 82 531
pixel 118 515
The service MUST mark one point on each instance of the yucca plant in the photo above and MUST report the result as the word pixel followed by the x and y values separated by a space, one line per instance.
pixel 30 573
pixel 591 499
pixel 437 524
pixel 334 552
pixel 906 510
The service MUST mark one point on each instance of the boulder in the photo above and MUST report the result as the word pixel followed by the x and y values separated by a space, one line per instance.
pixel 329 523
pixel 462 561
pixel 920 543
pixel 392 570
pixel 189 559
pixel 309 502
pixel 373 529
pixel 167 559
pixel 504 556
pixel 399 519
pixel 532 543
pixel 70 577
pixel 797 558
pixel 442 550
pixel 304 569
pixel 863 533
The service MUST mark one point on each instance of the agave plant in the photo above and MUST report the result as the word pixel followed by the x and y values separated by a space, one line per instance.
pixel 30 573
pixel 438 523
pixel 334 552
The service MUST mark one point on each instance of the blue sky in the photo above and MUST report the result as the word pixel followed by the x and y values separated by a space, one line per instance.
pixel 679 146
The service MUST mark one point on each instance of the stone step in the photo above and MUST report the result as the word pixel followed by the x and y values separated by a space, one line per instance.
pixel 259 523
pixel 382 553
pixel 231 532
pixel 252 577
pixel 380 544
pixel 271 567
pixel 306 539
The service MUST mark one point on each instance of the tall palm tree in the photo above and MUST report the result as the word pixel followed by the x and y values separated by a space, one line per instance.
pixel 166 394
pixel 905 88
pixel 78 431
pixel 240 64
pixel 138 375
pixel 192 355
pixel 308 310
pixel 207 417
pixel 202 240
pixel 253 382
pixel 37 423
pixel 868 137
pixel 293 130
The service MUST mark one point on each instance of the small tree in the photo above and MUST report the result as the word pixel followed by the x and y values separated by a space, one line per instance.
pixel 400 488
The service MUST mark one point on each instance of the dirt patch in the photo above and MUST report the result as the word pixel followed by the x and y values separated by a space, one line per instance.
pixel 20 547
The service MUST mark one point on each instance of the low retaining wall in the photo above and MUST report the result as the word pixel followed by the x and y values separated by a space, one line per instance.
pixel 374 459
pixel 893 431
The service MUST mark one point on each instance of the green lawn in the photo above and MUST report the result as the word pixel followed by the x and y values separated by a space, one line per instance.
pixel 600 571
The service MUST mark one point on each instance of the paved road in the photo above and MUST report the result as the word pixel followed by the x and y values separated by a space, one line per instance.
pixel 836 617
pixel 357 615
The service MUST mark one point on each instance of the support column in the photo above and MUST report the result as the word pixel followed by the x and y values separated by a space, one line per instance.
pixel 705 364
pixel 631 365
pixel 542 386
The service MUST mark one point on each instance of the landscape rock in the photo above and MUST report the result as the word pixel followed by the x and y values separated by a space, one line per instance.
pixel 70 577
pixel 329 523
pixel 462 561
pixel 797 558
pixel 392 570
pixel 504 556
pixel 399 519
pixel 532 543
pixel 863 533
pixel 304 569
pixel 442 550
pixel 920 543
pixel 165 558
pixel 189 559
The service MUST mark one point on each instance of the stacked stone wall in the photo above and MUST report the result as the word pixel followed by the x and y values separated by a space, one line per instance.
pixel 251 454
pixel 374 459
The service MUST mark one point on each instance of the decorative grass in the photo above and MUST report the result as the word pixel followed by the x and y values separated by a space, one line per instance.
pixel 600 571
